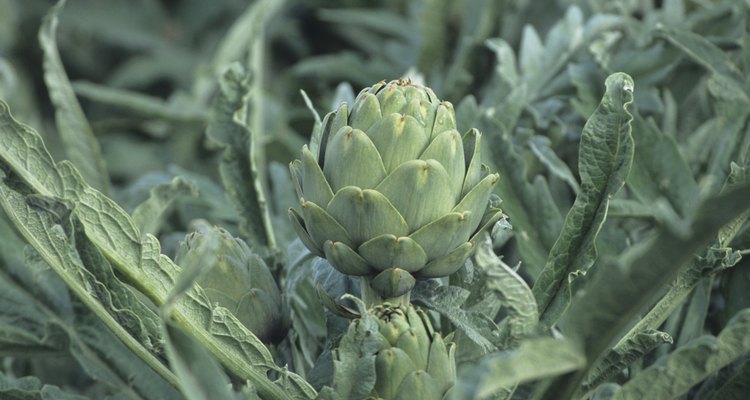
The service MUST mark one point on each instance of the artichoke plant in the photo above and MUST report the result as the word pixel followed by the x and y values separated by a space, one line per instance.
pixel 238 280
pixel 391 191
pixel 412 360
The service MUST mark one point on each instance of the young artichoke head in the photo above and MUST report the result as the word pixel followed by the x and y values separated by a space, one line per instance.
pixel 412 362
pixel 390 189
pixel 239 280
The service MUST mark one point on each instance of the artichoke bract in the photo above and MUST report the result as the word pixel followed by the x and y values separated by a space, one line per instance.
pixel 413 360
pixel 390 190
pixel 239 281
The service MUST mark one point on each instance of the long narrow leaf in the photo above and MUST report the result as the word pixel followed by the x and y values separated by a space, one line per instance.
pixel 80 143
pixel 606 153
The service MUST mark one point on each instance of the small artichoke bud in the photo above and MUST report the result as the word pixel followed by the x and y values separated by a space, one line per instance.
pixel 238 280
pixel 413 362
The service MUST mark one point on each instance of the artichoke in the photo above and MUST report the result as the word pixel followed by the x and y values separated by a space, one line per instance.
pixel 412 361
pixel 390 190
pixel 238 280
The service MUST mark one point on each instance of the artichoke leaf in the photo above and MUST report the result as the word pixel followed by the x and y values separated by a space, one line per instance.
pixel 352 159
pixel 420 191
pixel 472 155
pixel 321 226
pixel 391 100
pixel 393 364
pixel 398 138
pixel 365 214
pixel 418 385
pixel 441 236
pixel 298 224
pixel 393 283
pixel 448 264
pixel 313 183
pixel 448 150
pixel 445 120
pixel 332 123
pixel 344 259
pixel 365 112
pixel 387 251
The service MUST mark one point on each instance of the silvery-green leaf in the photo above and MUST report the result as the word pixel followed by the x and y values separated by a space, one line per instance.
pixel 387 251
pixel 353 160
pixel 398 138
pixel 448 264
pixel 315 187
pixel 365 214
pixel 365 112
pixel 346 260
pixel 428 196
pixel 447 149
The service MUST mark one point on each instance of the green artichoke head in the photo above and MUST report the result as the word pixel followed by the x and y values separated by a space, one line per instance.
pixel 413 361
pixel 238 280
pixel 390 188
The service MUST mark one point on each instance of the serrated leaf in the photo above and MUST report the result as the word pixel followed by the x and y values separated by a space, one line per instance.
pixel 535 217
pixel 228 127
pixel 35 298
pixel 606 152
pixel 512 290
pixel 604 308
pixel 624 354
pixel 113 232
pixel 354 360
pixel 53 237
pixel 675 374
pixel 447 301
pixel 75 131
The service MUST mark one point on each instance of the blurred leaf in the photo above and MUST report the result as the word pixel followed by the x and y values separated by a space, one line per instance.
pixel 675 374
pixel 31 388
pixel 150 214
pixel 200 376
pixel 606 153
pixel 540 145
pixel 140 104
pixel 75 131
pixel 659 170
pixel 534 359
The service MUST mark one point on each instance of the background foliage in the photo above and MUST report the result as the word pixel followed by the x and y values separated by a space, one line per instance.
pixel 619 129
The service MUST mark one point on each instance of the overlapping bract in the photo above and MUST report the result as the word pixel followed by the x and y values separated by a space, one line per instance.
pixel 240 281
pixel 391 185
pixel 413 362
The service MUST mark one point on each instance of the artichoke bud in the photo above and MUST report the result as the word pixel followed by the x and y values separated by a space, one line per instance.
pixel 389 183
pixel 238 280
pixel 411 356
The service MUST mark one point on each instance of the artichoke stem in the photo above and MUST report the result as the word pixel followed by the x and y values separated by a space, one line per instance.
pixel 372 298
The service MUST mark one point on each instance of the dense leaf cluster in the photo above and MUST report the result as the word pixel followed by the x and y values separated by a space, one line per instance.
pixel 618 129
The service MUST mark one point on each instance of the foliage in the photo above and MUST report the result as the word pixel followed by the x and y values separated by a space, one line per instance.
pixel 134 132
